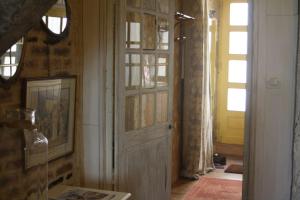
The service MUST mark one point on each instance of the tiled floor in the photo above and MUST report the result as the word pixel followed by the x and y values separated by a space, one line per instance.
pixel 184 185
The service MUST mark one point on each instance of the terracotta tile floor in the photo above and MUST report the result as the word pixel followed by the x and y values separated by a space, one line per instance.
pixel 184 185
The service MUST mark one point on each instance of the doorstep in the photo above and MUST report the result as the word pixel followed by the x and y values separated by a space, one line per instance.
pixel 62 192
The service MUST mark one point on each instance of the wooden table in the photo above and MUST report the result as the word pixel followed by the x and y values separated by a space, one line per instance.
pixel 58 192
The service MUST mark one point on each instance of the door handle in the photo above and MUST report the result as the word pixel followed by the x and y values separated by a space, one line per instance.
pixel 170 127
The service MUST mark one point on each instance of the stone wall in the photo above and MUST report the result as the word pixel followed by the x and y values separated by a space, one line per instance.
pixel 41 61
pixel 15 182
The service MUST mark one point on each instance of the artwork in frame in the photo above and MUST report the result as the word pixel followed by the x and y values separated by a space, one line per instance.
pixel 54 102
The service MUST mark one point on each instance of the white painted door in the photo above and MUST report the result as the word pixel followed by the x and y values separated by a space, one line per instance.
pixel 144 98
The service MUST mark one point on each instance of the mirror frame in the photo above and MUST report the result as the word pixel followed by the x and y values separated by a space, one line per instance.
pixel 6 83
pixel 53 38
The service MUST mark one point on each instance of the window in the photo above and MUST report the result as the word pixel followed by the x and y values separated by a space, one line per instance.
pixel 56 18
pixel 237 71
pixel 239 14
pixel 238 43
pixel 9 61
pixel 56 24
pixel 236 99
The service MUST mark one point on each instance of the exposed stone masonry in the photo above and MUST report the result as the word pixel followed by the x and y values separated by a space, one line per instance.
pixel 41 60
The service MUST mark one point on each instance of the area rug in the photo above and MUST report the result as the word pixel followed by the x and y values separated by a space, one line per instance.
pixel 236 169
pixel 215 189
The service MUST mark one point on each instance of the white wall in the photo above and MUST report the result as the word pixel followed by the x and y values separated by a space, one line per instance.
pixel 98 104
pixel 275 43
pixel 91 93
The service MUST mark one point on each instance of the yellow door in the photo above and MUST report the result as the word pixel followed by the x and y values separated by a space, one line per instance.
pixel 232 73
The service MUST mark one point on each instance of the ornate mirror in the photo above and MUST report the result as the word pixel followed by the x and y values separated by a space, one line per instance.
pixel 57 20
pixel 10 63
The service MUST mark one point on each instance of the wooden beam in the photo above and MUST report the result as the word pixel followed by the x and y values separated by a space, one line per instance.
pixel 17 17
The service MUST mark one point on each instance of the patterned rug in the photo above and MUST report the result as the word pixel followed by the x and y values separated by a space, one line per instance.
pixel 215 189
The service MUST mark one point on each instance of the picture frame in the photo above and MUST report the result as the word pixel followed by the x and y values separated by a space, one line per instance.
pixel 54 100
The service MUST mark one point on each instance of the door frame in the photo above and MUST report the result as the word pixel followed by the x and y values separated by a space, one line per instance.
pixel 249 134
pixel 98 62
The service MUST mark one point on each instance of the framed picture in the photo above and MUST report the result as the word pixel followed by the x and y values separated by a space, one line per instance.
pixel 54 102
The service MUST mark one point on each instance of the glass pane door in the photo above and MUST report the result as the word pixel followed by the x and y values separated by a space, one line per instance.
pixel 147 64
pixel 232 76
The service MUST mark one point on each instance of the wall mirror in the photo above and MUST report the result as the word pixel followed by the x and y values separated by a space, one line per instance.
pixel 10 63
pixel 57 20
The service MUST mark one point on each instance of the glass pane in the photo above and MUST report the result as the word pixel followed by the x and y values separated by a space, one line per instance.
pixel 163 6
pixel 147 110
pixel 238 43
pixel 44 18
pixel 132 71
pixel 237 71
pixel 9 61
pixel 148 71
pixel 134 3
pixel 13 69
pixel 236 100
pixel 13 48
pixel 132 113
pixel 64 23
pixel 13 60
pixel 239 14
pixel 133 30
pixel 162 70
pixel 7 71
pixel 162 107
pixel 149 28
pixel 54 24
pixel 163 34
pixel 53 19
pixel 149 4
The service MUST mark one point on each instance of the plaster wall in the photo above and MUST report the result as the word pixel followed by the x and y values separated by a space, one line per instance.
pixel 273 93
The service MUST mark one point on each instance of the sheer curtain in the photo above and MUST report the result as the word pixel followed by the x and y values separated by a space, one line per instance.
pixel 197 116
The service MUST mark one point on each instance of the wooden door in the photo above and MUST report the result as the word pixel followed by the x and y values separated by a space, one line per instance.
pixel 231 99
pixel 144 98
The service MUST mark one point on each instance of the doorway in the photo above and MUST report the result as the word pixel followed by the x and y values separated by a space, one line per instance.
pixel 231 81
pixel 232 73
pixel 228 54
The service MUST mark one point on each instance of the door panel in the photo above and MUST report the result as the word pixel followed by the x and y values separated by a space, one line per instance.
pixel 144 98
pixel 146 170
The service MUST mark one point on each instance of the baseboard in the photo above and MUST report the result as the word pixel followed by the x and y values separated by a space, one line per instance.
pixel 229 149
